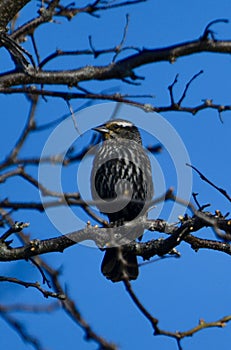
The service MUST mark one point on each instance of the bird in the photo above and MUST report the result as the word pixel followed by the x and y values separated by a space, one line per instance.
pixel 122 189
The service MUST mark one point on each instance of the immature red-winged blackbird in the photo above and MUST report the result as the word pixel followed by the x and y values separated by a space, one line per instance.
pixel 122 188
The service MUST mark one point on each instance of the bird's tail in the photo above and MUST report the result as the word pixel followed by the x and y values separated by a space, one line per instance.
pixel 118 265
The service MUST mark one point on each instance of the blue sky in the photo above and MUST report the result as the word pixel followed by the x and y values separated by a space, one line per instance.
pixel 178 292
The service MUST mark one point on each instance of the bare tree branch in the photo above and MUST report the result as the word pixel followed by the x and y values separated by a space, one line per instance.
pixel 206 104
pixel 204 178
pixel 121 69
pixel 68 304
pixel 21 330
pixel 147 249
pixel 30 308
pixel 177 334
pixel 35 285
pixel 29 79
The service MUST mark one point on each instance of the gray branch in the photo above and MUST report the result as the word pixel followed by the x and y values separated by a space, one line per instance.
pixel 117 70
pixel 103 236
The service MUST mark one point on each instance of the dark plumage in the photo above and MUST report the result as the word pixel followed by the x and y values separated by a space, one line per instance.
pixel 121 184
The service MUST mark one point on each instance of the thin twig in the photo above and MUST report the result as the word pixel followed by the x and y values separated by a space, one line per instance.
pixel 119 47
pixel 170 88
pixel 35 48
pixel 17 227
pixel 187 87
pixel 208 31
pixel 154 321
pixel 30 124
pixel 30 308
pixel 35 285
pixel 21 330
pixel 206 104
pixel 204 178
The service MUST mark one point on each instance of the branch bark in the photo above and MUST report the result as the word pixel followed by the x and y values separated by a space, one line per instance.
pixel 103 236
pixel 117 70
pixel 8 9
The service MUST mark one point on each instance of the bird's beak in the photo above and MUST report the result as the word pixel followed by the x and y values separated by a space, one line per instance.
pixel 102 129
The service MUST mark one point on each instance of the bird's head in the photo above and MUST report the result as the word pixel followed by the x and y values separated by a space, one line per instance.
pixel 119 129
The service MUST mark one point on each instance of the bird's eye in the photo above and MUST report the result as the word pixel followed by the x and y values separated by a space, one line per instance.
pixel 115 128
